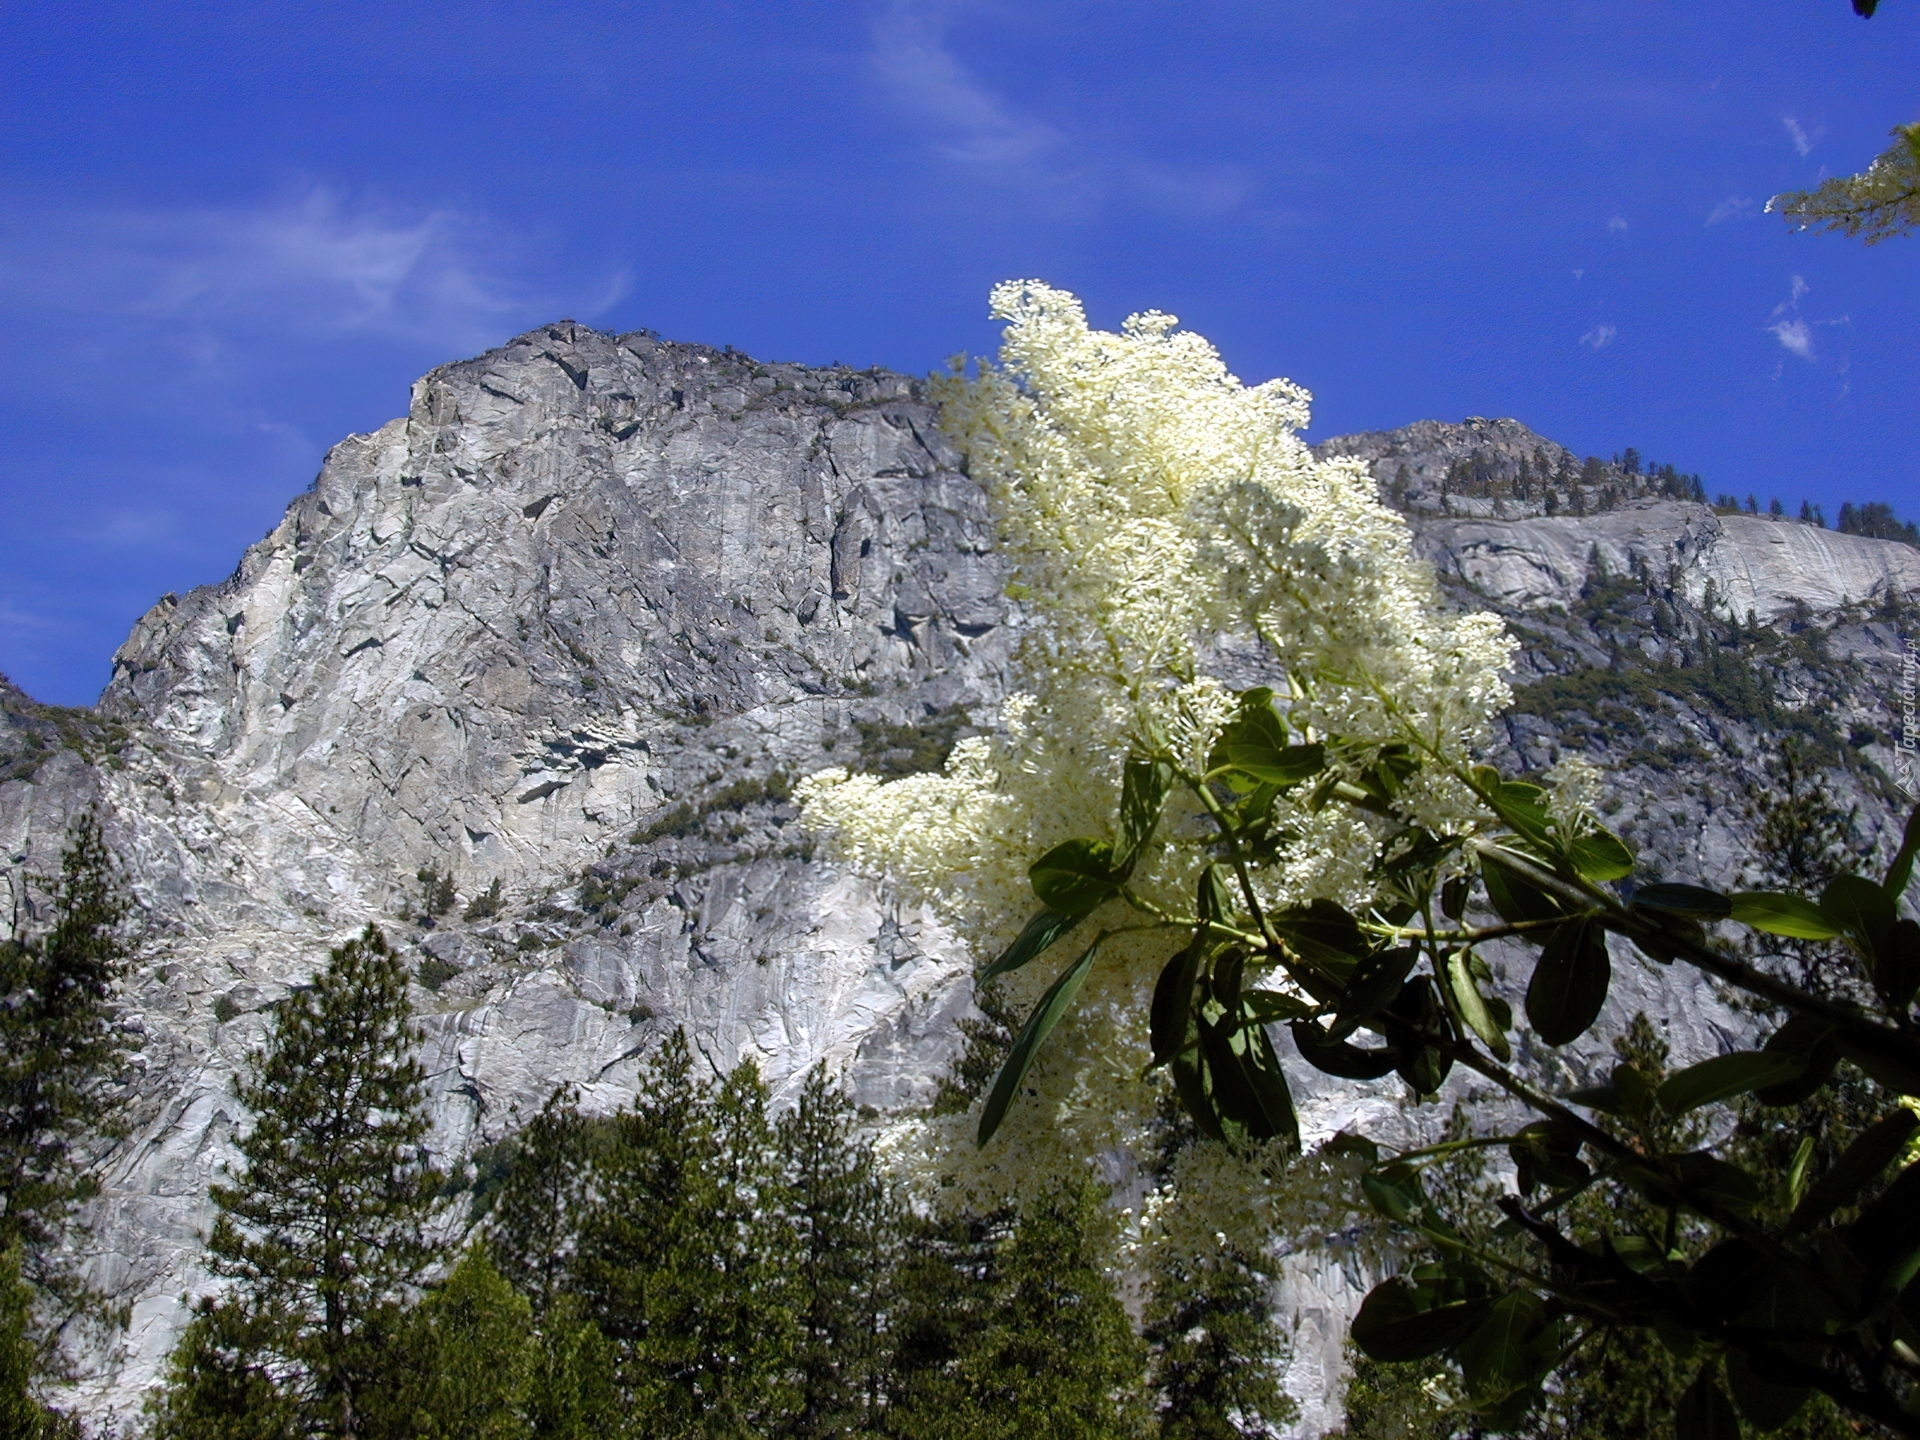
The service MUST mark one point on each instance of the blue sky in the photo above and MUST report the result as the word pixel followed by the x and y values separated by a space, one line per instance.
pixel 232 233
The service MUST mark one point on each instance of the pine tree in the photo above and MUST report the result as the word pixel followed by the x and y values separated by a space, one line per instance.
pixel 473 1352
pixel 533 1229
pixel 1215 1349
pixel 845 1223
pixel 750 1328
pixel 221 1382
pixel 60 1046
pixel 682 1260
pixel 321 1234
pixel 574 1394
pixel 1008 1328
pixel 946 1289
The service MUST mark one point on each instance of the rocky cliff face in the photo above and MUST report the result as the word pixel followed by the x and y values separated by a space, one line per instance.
pixel 576 621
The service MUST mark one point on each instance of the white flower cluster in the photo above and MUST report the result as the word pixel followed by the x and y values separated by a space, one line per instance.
pixel 1150 505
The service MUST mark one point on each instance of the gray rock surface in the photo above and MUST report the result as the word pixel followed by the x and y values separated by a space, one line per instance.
pixel 574 624
pixel 1737 565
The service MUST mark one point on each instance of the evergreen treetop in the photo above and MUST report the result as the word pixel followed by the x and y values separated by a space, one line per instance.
pixel 321 1233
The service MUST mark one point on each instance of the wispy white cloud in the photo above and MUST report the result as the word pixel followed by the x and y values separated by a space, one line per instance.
pixel 1617 225
pixel 1802 141
pixel 1599 337
pixel 1795 336
pixel 1734 207
pixel 314 266
pixel 1001 143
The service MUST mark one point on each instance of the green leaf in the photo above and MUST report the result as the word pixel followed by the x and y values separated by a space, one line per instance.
pixel 1075 877
pixel 1704 1412
pixel 1712 1182
pixel 1725 1075
pixel 1865 914
pixel 1548 1152
pixel 1603 1098
pixel 1270 1087
pixel 1901 871
pixel 1888 1061
pixel 1569 982
pixel 1897 975
pixel 1875 1148
pixel 1778 913
pixel 1797 1172
pixel 1190 1083
pixel 1247 1085
pixel 1040 932
pixel 1215 900
pixel 1506 1352
pixel 1143 794
pixel 1524 807
pixel 1326 939
pixel 1640 1255
pixel 1472 1006
pixel 1376 981
pixel 1695 901
pixel 1599 856
pixel 1047 1014
pixel 1345 1142
pixel 1763 1404
pixel 1254 744
pixel 1391 767
pixel 1730 1278
pixel 1513 896
pixel 1392 1327
pixel 1394 1191
pixel 1418 1009
pixel 1170 1017
pixel 1271 1007
pixel 1336 1057
pixel 1887 1234
pixel 1453 896
pixel 1812 1040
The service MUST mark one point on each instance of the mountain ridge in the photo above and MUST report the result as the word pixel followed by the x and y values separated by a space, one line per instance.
pixel 577 620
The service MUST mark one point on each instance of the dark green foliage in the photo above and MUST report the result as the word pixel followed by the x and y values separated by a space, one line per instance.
pixel 32 733
pixel 1875 519
pixel 1620 1382
pixel 1391 1401
pixel 1215 1349
pixel 434 972
pixel 320 1235
pixel 21 1413
pixel 534 1214
pixel 60 1049
pixel 1879 203
pixel 915 748
pixel 845 1224
pixel 473 1355
pixel 682 1262
pixel 687 819
pixel 733 1272
pixel 486 904
pixel 436 890
pixel 573 1394
pixel 601 895
pixel 1008 1328
pixel 220 1381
